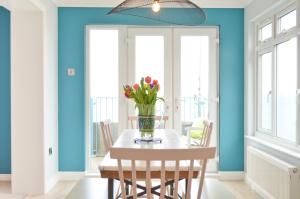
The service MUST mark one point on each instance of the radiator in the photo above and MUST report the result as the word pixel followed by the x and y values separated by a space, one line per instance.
pixel 272 178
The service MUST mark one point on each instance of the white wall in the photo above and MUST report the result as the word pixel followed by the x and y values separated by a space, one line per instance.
pixel 254 11
pixel 5 4
pixel 50 32
pixel 34 96
pixel 51 94
pixel 27 102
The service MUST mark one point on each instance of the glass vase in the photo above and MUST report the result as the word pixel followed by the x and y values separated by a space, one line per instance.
pixel 146 120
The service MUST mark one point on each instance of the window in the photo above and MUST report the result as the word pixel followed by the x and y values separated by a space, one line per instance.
pixel 266 32
pixel 286 89
pixel 265 94
pixel 278 76
pixel 287 21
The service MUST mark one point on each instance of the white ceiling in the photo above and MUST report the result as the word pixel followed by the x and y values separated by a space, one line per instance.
pixel 112 3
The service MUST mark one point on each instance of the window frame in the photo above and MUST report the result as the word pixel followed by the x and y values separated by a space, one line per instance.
pixel 270 45
pixel 260 26
pixel 281 14
pixel 258 89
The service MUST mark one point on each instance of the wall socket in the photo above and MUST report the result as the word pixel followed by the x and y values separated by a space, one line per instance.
pixel 71 72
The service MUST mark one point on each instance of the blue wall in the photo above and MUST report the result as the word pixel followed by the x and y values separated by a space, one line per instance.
pixel 72 23
pixel 5 155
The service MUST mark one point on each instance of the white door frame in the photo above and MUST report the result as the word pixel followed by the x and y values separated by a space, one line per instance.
pixel 213 101
pixel 167 34
pixel 122 78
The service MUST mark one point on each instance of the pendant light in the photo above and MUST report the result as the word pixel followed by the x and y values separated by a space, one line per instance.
pixel 178 12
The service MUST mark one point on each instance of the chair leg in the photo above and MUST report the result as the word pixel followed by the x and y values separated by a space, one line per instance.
pixel 110 193
pixel 118 192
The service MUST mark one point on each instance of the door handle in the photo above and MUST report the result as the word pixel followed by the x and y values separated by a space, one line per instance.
pixel 178 100
pixel 167 107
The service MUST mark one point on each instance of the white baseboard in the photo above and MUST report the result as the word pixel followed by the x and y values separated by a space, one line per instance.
pixel 5 177
pixel 51 182
pixel 232 175
pixel 255 187
pixel 70 176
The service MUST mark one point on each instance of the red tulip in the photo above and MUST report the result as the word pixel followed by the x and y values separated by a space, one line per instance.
pixel 128 93
pixel 126 88
pixel 155 82
pixel 136 86
pixel 148 80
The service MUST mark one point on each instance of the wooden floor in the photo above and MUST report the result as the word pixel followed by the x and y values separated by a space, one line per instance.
pixel 96 188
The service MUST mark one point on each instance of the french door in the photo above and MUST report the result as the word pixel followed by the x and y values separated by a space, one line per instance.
pixel 183 60
pixel 195 87
pixel 196 75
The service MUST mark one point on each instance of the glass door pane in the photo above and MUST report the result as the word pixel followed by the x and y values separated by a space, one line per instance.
pixel 194 68
pixel 196 83
pixel 149 61
pixel 149 54
pixel 104 87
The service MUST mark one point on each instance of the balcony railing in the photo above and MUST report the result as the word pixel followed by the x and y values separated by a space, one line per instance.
pixel 105 108
pixel 193 107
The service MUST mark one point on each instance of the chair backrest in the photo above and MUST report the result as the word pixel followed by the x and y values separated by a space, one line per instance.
pixel 204 139
pixel 207 130
pixel 106 134
pixel 134 123
pixel 174 155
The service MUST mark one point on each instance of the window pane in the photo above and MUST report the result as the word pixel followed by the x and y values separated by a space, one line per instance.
pixel 149 60
pixel 286 89
pixel 287 21
pixel 266 91
pixel 266 32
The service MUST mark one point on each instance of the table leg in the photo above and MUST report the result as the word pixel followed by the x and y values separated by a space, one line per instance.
pixel 186 185
pixel 127 188
pixel 172 189
pixel 110 191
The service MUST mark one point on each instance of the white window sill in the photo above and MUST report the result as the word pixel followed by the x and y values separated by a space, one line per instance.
pixel 292 151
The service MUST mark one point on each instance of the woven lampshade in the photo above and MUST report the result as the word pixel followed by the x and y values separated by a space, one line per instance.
pixel 190 15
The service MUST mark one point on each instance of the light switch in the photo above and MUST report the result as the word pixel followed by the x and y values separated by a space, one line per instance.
pixel 71 72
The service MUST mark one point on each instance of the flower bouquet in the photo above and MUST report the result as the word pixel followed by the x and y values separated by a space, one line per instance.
pixel 145 97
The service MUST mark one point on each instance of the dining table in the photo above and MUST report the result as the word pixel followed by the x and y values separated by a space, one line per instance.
pixel 163 139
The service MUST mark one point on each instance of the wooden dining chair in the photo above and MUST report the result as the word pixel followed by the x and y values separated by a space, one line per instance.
pixel 106 134
pixel 140 159
pixel 134 122
pixel 205 134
